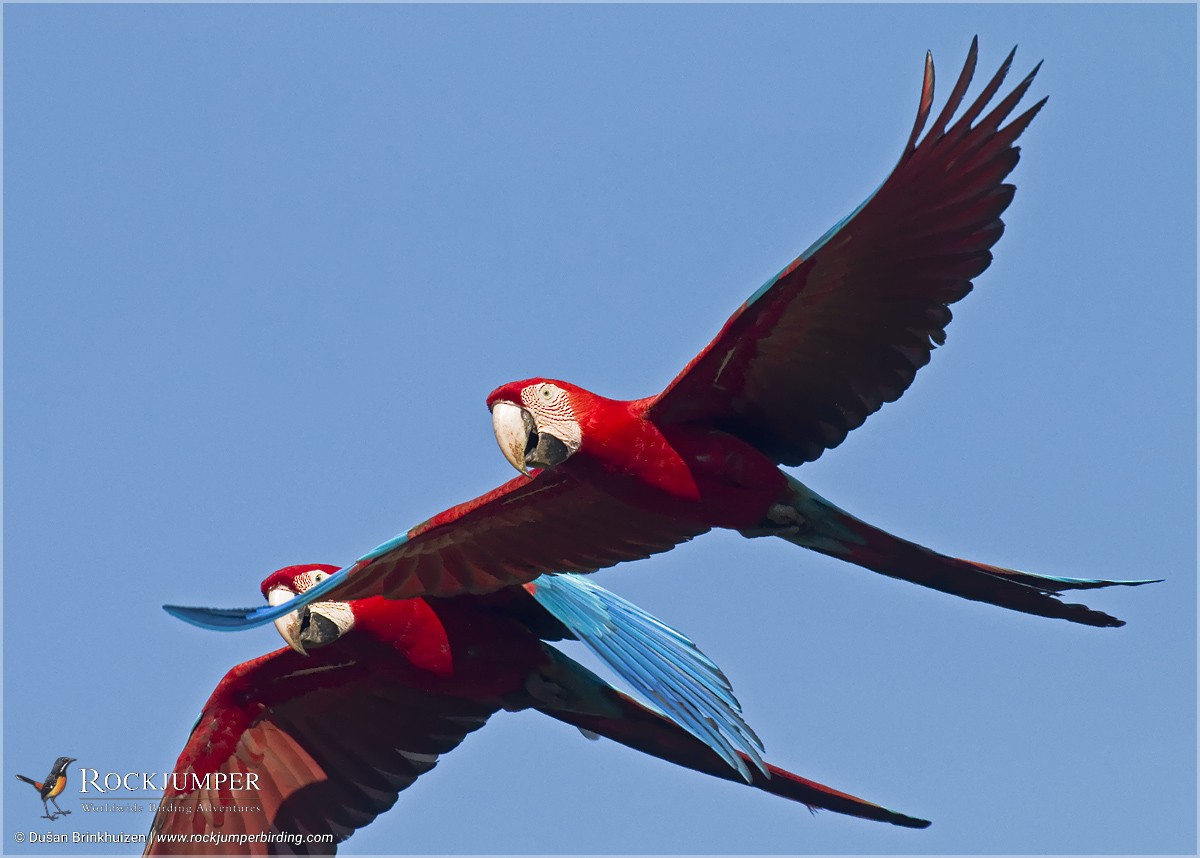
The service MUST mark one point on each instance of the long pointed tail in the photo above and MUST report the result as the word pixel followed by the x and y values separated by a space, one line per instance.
pixel 622 719
pixel 823 527
pixel 35 784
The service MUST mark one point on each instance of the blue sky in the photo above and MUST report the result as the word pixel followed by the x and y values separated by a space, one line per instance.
pixel 262 264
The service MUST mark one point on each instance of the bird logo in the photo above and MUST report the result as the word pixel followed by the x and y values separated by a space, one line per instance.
pixel 50 788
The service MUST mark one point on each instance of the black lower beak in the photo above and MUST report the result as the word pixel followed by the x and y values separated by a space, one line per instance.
pixel 317 630
pixel 545 451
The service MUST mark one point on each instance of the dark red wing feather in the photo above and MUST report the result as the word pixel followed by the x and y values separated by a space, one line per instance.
pixel 649 732
pixel 333 738
pixel 553 522
pixel 846 326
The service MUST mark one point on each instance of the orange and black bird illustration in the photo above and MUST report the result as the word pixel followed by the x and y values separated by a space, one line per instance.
pixel 52 786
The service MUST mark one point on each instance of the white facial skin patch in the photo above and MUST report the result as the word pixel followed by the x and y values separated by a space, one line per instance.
pixel 550 406
pixel 289 626
pixel 306 580
pixel 339 613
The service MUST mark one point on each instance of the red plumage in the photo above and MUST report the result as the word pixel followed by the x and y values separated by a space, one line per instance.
pixel 333 736
pixel 842 330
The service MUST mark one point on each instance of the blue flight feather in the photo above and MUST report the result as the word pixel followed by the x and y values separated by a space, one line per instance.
pixel 814 247
pixel 237 619
pixel 1058 583
pixel 659 663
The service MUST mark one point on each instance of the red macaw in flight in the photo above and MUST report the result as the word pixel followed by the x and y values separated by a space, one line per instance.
pixel 320 737
pixel 659 663
pixel 813 353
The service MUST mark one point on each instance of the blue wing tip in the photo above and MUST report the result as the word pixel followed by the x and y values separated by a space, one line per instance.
pixel 217 619
pixel 658 661
pixel 236 619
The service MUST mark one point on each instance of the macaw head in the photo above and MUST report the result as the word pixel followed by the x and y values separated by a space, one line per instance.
pixel 315 625
pixel 535 421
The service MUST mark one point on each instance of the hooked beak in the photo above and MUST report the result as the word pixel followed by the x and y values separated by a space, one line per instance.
pixel 516 433
pixel 322 623
pixel 288 625
pixel 314 626
pixel 520 441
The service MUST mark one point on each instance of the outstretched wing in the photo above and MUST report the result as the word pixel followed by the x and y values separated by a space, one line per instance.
pixel 846 326
pixel 552 522
pixel 329 741
pixel 660 663
pixel 655 659
pixel 645 730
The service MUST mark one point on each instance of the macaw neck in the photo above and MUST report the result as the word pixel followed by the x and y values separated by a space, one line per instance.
pixel 607 425
pixel 451 645
pixel 410 627
pixel 712 475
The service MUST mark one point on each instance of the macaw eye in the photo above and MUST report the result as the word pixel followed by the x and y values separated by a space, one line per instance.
pixel 318 577
pixel 546 392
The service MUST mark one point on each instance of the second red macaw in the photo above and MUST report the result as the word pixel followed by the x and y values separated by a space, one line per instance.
pixel 813 353
pixel 321 737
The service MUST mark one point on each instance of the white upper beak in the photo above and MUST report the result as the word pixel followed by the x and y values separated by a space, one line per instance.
pixel 288 625
pixel 512 425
